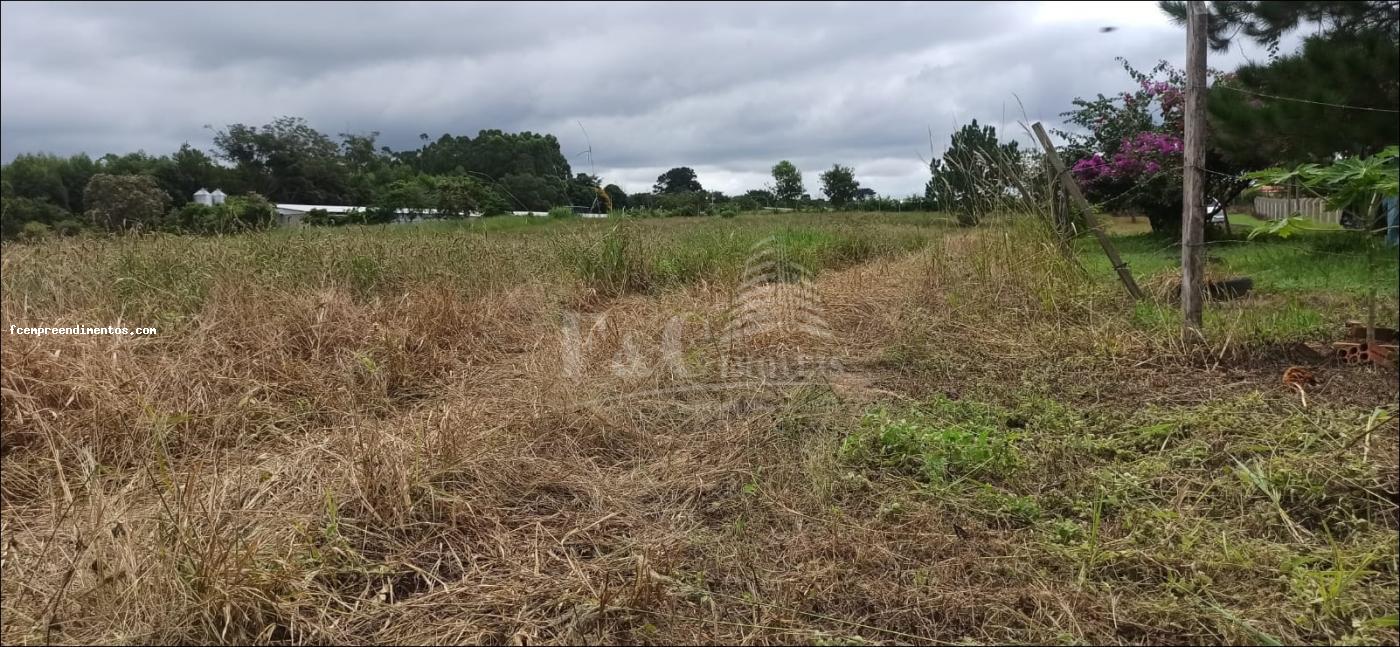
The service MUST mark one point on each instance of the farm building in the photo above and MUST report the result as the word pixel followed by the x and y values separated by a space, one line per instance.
pixel 292 214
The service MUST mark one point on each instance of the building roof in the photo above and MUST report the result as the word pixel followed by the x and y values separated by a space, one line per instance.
pixel 328 208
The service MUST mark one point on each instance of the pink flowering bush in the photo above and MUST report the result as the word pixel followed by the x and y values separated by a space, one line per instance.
pixel 1144 154
pixel 1128 153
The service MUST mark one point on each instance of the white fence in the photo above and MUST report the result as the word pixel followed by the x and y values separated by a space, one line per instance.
pixel 1314 208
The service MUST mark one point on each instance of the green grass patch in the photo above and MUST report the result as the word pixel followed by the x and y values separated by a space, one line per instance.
pixel 940 441
pixel 1334 262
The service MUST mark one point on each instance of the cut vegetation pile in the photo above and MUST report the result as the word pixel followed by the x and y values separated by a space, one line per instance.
pixel 377 435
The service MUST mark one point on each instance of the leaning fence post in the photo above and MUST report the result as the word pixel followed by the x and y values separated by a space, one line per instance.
pixel 1124 274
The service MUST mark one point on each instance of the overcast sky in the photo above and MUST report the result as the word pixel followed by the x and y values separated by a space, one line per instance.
pixel 727 89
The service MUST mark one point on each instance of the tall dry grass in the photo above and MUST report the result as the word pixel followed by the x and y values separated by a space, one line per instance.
pixel 368 435
pixel 336 433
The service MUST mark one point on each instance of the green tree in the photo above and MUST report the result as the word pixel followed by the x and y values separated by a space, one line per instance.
pixel 460 196
pixel 532 192
pixel 973 174
pixel 677 180
pixel 787 182
pixel 122 202
pixel 583 192
pixel 617 196
pixel 17 212
pixel 839 184
pixel 192 169
pixel 493 155
pixel 250 211
pixel 286 160
pixel 39 177
pixel 409 194
pixel 1289 109
pixel 1354 185
pixel 757 199
pixel 684 203
pixel 642 200
pixel 1267 21
pixel 1305 123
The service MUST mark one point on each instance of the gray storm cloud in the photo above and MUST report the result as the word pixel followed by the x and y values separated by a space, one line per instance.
pixel 728 89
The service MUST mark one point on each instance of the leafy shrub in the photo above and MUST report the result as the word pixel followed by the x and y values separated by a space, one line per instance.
pixel 16 212
pixel 942 441
pixel 121 202
pixel 67 227
pixel 686 203
pixel 250 212
pixel 34 230
pixel 559 213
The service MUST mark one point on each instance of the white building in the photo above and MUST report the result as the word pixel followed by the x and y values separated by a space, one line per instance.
pixel 292 214
pixel 289 215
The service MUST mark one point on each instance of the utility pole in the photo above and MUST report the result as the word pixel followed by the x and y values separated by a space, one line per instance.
pixel 1193 174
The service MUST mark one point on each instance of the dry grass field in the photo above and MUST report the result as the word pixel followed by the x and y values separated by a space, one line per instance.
pixel 529 432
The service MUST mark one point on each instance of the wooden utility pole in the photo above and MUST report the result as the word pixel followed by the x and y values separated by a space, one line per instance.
pixel 1193 203
pixel 1124 274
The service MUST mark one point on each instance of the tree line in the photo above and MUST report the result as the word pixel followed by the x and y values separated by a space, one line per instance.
pixel 288 161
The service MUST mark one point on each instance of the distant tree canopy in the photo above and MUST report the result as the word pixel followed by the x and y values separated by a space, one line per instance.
pixel 757 199
pixel 289 161
pixel 677 180
pixel 839 184
pixel 787 182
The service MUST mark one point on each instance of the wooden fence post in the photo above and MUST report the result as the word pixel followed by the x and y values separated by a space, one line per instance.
pixel 1124 274
pixel 1193 176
